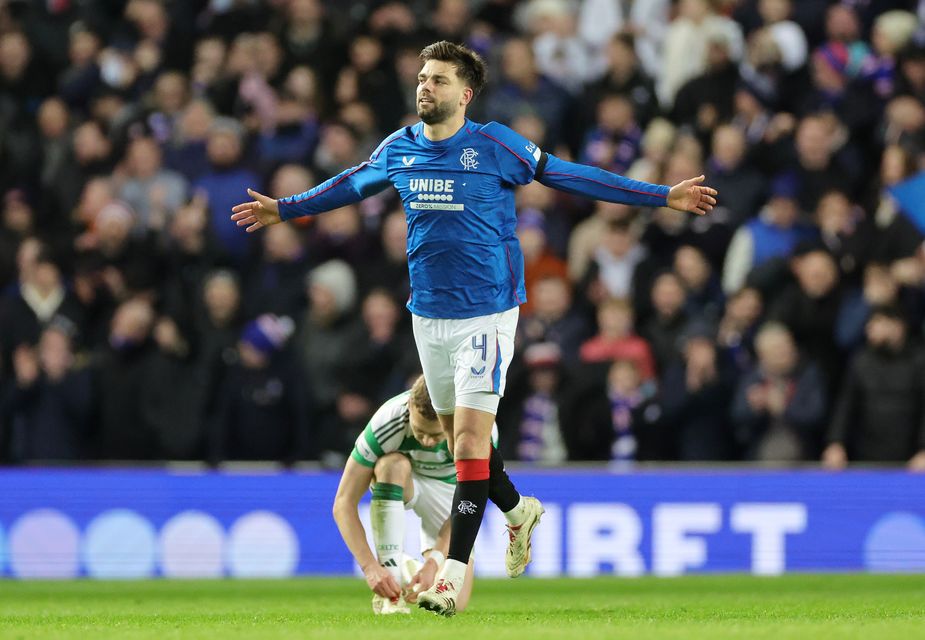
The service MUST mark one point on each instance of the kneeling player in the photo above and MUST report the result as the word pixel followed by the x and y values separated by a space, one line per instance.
pixel 403 456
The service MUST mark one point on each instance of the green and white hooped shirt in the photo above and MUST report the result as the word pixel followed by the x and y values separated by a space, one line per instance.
pixel 389 431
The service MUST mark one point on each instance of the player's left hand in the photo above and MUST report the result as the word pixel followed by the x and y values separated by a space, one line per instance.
pixel 422 581
pixel 261 212
pixel 692 196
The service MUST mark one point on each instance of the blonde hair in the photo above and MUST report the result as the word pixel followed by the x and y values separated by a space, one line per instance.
pixel 420 400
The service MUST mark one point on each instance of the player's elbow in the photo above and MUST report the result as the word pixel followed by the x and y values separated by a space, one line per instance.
pixel 339 508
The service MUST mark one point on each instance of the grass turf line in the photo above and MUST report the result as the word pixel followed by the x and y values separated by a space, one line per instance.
pixel 714 607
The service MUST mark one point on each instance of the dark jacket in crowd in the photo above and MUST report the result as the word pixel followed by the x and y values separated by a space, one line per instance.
pixel 50 420
pixel 762 436
pixel 125 432
pixel 261 414
pixel 880 415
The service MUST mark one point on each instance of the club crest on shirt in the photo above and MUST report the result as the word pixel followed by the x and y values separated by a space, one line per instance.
pixel 468 158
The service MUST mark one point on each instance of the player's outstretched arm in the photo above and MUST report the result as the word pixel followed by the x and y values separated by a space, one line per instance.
pixel 597 184
pixel 353 484
pixel 693 196
pixel 260 212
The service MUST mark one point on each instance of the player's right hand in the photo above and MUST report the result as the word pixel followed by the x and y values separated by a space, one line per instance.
pixel 381 581
pixel 422 580
pixel 261 212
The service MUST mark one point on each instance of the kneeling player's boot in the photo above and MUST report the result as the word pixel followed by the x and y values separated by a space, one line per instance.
pixel 518 548
pixel 440 598
pixel 383 606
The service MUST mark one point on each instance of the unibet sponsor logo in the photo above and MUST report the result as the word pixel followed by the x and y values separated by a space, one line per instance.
pixel 437 185
pixel 440 191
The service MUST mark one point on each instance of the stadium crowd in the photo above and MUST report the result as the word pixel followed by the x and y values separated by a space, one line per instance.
pixel 137 322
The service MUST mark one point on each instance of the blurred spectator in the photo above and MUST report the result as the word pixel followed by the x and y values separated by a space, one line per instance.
pixel 388 267
pixel 609 421
pixel 261 409
pixel 276 284
pixel 586 236
pixel 535 401
pixel 187 152
pixel 81 78
pixel 911 78
pixel 895 235
pixel 560 54
pixel 891 32
pixel 686 45
pixel 52 401
pixel 809 309
pixel 536 203
pixel 190 255
pixel 704 295
pixel 91 155
pixel 376 81
pixel 16 224
pixel 780 404
pixel 707 99
pixel 41 296
pixel 54 123
pixel 225 183
pixel 695 397
pixel 217 330
pixel 737 328
pixel 128 264
pixel 554 319
pixel 153 192
pixel 819 169
pixel 612 270
pixel 773 234
pixel 376 368
pixel 880 415
pixel 616 339
pixel 328 331
pixel 521 88
pixel 614 140
pixel 663 329
pixel 624 76
pixel 123 369
pixel 656 145
pixel 845 233
pixel 744 189
pixel 174 407
pixel 539 261
pixel 309 36
pixel 339 235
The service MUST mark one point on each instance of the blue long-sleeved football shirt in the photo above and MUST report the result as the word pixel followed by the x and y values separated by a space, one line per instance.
pixel 463 255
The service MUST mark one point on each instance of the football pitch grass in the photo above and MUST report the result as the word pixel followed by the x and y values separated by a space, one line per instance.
pixel 796 606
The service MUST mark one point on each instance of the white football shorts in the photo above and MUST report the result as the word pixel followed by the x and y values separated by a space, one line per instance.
pixel 432 502
pixel 465 360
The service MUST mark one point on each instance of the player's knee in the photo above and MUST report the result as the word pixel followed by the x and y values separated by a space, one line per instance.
pixel 394 468
pixel 471 444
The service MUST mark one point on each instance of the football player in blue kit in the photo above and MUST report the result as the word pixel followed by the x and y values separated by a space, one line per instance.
pixel 456 179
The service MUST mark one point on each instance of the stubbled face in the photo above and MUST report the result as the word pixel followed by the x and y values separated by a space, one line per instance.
pixel 441 92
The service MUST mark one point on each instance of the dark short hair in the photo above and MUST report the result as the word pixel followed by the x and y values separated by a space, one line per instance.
pixel 469 65
pixel 420 399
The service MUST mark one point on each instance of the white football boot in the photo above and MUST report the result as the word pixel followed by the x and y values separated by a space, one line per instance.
pixel 518 549
pixel 440 598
